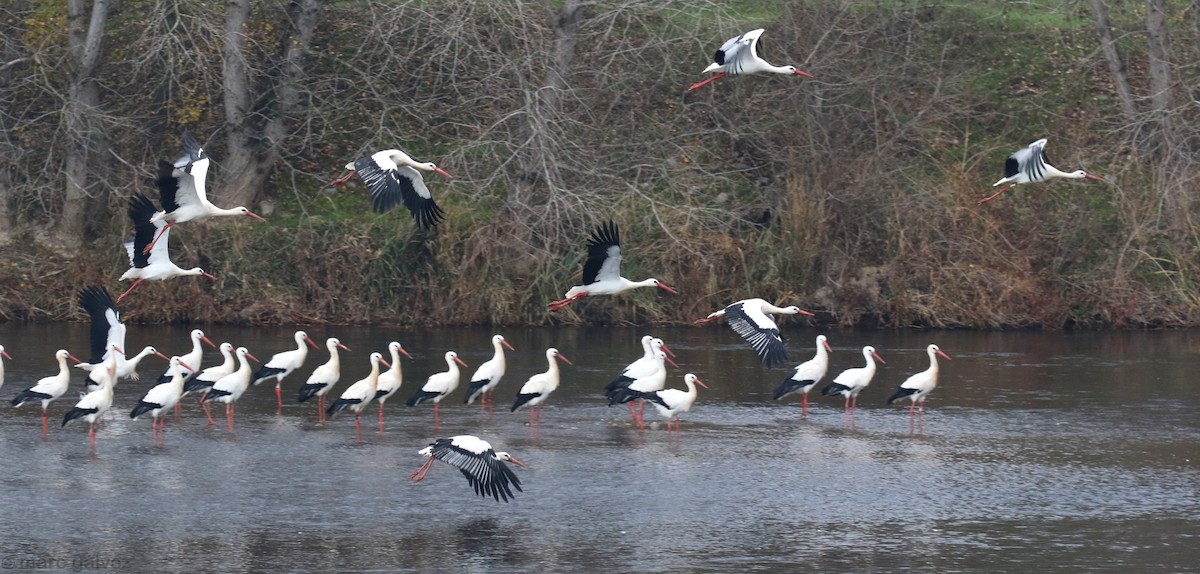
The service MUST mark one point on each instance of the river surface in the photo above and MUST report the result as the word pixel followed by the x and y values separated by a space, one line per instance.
pixel 1038 452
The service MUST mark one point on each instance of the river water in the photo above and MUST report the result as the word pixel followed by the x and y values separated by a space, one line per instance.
pixel 1039 451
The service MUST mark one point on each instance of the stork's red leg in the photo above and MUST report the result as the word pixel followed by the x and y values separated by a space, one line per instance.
pixel 995 195
pixel 698 85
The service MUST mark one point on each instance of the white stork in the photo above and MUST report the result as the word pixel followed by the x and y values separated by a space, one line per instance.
pixel 852 381
pixel 5 355
pixel 106 330
pixel 192 357
pixel 641 367
pixel 535 391
pixel 324 377
pixel 488 375
pixel 204 380
pixel 806 375
pixel 94 404
pixel 181 190
pixel 47 389
pixel 643 386
pixel 739 56
pixel 602 270
pixel 484 468
pixel 439 385
pixel 162 398
pixel 150 263
pixel 917 387
pixel 391 379
pixel 751 318
pixel 282 364
pixel 672 402
pixel 393 178
pixel 356 397
pixel 229 389
pixel 128 369
pixel 1031 165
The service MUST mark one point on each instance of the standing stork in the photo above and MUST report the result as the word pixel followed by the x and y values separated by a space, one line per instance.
pixel 1031 165
pixel 181 190
pixel 162 398
pixel 324 377
pixel 602 270
pixel 390 380
pixel 5 355
pixel 94 404
pixel 806 375
pixel 356 397
pixel 672 402
pixel 282 364
pixel 439 385
pixel 852 381
pixel 150 263
pixel 739 56
pixel 751 318
pixel 642 388
pixel 484 468
pixel 393 178
pixel 645 366
pixel 205 379
pixel 535 391
pixel 917 387
pixel 488 375
pixel 192 357
pixel 229 389
pixel 47 389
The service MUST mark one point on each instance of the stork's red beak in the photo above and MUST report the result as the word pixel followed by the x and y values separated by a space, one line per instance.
pixel 701 383
pixel 1093 177
pixel 516 462
pixel 256 216
pixel 670 290
pixel 442 173
pixel 505 343
pixel 802 73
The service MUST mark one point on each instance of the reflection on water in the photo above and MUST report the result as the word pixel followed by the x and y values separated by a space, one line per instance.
pixel 1039 450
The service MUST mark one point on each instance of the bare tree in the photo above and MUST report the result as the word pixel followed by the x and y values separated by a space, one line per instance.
pixel 85 32
pixel 12 60
pixel 1158 46
pixel 258 109
pixel 1116 63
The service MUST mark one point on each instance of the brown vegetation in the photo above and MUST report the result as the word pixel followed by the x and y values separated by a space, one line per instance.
pixel 853 194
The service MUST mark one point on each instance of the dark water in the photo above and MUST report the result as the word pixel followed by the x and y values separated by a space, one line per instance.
pixel 1040 451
